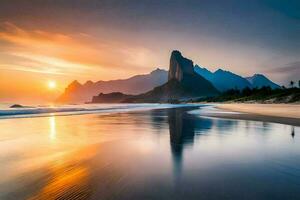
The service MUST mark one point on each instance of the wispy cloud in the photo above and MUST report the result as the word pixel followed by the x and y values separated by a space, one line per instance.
pixel 30 69
pixel 47 52
pixel 293 67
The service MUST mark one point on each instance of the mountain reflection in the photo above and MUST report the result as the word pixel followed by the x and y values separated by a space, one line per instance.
pixel 152 154
pixel 184 127
pixel 182 132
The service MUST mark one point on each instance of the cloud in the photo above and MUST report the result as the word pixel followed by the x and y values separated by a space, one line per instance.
pixel 293 67
pixel 47 52
pixel 286 73
pixel 30 69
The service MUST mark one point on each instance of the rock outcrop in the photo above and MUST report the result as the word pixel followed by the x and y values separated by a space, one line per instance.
pixel 114 97
pixel 183 84
pixel 16 106
pixel 179 66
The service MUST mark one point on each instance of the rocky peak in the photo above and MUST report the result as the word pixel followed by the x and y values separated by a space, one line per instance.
pixel 158 71
pixel 180 66
pixel 73 86
pixel 258 75
pixel 88 83
pixel 220 71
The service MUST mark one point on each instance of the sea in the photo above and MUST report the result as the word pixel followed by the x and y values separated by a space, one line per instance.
pixel 144 151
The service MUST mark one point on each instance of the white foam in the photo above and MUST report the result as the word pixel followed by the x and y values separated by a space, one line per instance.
pixel 81 109
pixel 211 109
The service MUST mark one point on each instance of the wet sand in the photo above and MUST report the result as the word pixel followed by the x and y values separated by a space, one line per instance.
pixel 278 113
pixel 150 154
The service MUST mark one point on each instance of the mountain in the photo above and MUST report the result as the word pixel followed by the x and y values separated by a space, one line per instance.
pixel 181 69
pixel 223 80
pixel 208 75
pixel 259 80
pixel 183 84
pixel 114 97
pixel 79 93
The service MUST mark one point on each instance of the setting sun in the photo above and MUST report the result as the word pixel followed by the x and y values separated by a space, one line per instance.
pixel 51 84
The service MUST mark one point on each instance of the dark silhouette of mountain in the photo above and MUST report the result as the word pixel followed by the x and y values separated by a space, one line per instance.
pixel 180 68
pixel 183 84
pixel 223 80
pixel 78 93
pixel 226 80
pixel 259 81
pixel 187 83
pixel 182 133
pixel 114 97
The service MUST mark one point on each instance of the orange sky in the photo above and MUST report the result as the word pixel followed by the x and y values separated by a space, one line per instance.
pixel 103 40
pixel 33 57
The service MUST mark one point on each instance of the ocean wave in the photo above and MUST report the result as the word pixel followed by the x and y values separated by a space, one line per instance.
pixel 212 109
pixel 81 109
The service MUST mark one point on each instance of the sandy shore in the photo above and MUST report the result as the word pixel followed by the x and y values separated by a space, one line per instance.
pixel 279 110
pixel 278 113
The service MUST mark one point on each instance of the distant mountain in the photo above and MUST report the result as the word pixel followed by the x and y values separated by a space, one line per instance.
pixel 208 75
pixel 223 80
pixel 180 69
pixel 259 80
pixel 114 97
pixel 78 93
pixel 183 84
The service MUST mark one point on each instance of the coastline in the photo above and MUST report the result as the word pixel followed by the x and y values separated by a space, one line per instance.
pixel 278 113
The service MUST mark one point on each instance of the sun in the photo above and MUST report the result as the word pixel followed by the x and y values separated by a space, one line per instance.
pixel 51 85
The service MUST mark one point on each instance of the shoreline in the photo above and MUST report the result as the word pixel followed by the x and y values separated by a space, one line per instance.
pixel 277 113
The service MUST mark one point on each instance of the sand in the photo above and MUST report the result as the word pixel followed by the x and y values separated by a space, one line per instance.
pixel 278 113
pixel 279 110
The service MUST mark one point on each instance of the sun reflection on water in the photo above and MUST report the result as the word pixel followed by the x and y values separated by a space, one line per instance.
pixel 124 155
pixel 52 128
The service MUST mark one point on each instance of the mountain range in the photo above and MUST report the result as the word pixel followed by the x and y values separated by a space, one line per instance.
pixel 183 84
pixel 225 80
pixel 78 93
pixel 141 84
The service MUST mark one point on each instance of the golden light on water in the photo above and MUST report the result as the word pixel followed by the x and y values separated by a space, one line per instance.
pixel 51 85
pixel 52 127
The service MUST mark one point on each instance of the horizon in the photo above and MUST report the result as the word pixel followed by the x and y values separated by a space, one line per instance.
pixel 46 45
pixel 150 99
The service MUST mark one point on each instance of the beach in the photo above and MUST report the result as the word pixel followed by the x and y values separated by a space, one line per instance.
pixel 278 113
pixel 147 153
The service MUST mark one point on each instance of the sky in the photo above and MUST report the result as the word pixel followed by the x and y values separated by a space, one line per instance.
pixel 64 40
